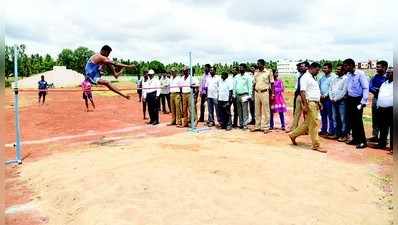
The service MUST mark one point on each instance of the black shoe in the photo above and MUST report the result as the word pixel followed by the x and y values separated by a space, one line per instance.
pixel 378 146
pixel 362 145
pixel 155 123
pixel 322 133
pixel 352 142
pixel 201 120
pixel 373 139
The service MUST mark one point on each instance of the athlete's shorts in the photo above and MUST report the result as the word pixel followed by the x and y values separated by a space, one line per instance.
pixel 87 95
pixel 93 78
pixel 42 93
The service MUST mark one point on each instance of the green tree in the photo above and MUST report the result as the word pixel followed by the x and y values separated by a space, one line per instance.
pixel 66 58
pixel 157 66
pixel 80 57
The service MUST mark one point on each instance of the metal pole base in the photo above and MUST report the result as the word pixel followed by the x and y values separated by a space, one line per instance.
pixel 198 130
pixel 19 162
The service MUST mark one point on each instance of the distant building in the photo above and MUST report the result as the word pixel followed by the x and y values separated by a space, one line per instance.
pixel 287 67
pixel 370 64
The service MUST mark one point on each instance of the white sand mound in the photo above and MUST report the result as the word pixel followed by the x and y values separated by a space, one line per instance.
pixel 59 76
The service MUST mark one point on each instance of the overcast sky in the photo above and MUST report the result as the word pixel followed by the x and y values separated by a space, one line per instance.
pixel 214 30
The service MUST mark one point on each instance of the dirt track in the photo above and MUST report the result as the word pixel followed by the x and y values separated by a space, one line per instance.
pixel 141 175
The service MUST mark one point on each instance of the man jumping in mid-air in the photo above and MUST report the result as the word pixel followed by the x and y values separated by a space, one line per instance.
pixel 94 68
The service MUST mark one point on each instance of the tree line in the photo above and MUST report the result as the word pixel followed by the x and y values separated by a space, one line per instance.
pixel 77 58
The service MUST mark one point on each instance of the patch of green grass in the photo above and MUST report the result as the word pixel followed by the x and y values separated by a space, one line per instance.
pixel 289 81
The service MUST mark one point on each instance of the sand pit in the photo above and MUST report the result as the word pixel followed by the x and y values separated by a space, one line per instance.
pixel 209 178
pixel 60 77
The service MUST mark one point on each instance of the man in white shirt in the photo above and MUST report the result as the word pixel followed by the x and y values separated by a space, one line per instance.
pixel 302 68
pixel 151 95
pixel 203 92
pixel 186 86
pixel 310 98
pixel 213 82
pixel 165 93
pixel 224 101
pixel 337 95
pixel 175 99
pixel 385 103
pixel 144 87
pixel 235 72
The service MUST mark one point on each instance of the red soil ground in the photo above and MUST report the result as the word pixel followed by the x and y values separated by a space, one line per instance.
pixel 64 115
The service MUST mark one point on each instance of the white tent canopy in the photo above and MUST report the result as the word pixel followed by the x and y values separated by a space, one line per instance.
pixel 60 77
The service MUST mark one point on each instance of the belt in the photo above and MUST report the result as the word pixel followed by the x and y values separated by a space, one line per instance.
pixel 243 93
pixel 262 91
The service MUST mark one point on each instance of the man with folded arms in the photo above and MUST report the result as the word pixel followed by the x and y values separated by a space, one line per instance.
pixel 310 99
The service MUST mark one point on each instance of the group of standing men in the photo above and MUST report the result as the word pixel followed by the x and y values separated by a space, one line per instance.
pixel 219 92
pixel 175 90
pixel 340 99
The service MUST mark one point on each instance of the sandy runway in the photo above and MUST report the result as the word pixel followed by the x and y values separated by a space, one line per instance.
pixel 215 177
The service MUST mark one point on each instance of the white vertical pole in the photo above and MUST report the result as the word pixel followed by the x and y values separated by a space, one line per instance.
pixel 16 109
pixel 192 93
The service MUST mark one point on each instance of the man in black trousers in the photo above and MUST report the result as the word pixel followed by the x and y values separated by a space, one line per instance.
pixel 203 92
pixel 151 96
pixel 357 98
pixel 385 105
pixel 235 72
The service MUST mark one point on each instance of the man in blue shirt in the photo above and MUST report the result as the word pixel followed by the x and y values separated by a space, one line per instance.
pixel 327 128
pixel 357 98
pixel 374 86
pixel 43 86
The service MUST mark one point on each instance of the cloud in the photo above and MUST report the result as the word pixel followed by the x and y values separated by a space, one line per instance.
pixel 215 31
pixel 269 13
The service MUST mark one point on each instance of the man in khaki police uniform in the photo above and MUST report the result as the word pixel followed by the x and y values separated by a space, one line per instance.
pixel 175 98
pixel 310 100
pixel 263 86
pixel 186 86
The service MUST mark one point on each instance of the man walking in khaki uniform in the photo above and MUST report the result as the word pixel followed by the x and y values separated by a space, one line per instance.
pixel 310 99
pixel 175 99
pixel 263 86
pixel 302 68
